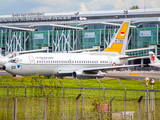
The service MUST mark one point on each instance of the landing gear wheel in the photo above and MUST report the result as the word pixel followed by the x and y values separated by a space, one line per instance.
pixel 13 75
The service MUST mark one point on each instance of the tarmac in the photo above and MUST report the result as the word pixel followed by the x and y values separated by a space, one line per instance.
pixel 126 75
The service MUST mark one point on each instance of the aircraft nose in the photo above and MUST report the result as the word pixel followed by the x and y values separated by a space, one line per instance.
pixel 4 67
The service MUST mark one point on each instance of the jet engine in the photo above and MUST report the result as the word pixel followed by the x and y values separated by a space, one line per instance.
pixel 83 74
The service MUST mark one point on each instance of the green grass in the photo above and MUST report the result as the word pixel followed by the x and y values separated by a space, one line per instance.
pixel 53 86
pixel 92 97
pixel 87 83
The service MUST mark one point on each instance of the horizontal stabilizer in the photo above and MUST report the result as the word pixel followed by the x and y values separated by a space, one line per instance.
pixel 136 56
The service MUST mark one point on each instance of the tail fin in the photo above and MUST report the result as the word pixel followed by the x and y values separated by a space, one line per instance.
pixel 153 58
pixel 119 42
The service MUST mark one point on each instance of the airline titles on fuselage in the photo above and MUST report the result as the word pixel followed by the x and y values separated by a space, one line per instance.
pixel 44 57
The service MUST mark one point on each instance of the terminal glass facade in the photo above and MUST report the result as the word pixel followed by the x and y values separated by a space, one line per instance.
pixel 66 40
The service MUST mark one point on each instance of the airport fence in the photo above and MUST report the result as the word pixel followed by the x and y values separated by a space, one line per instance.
pixel 143 69
pixel 64 102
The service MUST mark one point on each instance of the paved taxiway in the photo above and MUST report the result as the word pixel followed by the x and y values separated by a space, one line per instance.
pixel 126 75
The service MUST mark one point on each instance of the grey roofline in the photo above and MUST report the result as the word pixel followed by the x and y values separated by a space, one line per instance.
pixel 105 23
pixel 56 25
pixel 17 28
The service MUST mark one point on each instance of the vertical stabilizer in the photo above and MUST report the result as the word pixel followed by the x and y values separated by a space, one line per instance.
pixel 153 58
pixel 119 42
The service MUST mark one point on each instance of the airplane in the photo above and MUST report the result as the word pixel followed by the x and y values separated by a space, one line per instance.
pixel 80 65
pixel 5 59
pixel 155 62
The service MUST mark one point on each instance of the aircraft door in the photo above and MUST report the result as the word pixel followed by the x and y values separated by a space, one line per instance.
pixel 32 61
pixel 109 60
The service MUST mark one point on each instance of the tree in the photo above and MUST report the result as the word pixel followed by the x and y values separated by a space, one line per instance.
pixel 134 7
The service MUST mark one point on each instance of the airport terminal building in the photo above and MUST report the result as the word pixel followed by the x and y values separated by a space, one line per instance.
pixel 61 32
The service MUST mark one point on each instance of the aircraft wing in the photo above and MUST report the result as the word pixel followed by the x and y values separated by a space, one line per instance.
pixel 135 57
pixel 65 71
pixel 108 68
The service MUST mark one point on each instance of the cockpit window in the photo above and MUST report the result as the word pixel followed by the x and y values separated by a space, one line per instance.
pixel 16 60
pixel 12 61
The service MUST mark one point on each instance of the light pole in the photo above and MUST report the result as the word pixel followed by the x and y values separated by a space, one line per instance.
pixel 157 33
pixel 76 28
pixel 1 38
pixel 126 12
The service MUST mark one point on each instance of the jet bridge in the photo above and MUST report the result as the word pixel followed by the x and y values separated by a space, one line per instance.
pixel 13 54
pixel 142 51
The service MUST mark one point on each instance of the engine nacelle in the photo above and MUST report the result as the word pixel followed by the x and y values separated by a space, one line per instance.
pixel 77 74
pixel 81 74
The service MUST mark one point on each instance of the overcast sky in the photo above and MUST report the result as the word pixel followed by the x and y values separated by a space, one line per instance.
pixel 8 7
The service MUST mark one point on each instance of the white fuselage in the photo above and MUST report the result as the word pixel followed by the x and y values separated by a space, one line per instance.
pixel 50 63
